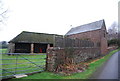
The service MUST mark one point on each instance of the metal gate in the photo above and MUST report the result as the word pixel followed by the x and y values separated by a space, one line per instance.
pixel 21 63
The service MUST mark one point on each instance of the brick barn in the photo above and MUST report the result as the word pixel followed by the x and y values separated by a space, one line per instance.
pixel 95 31
pixel 31 42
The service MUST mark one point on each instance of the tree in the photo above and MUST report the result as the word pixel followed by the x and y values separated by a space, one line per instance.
pixel 114 42
pixel 3 44
pixel 113 31
pixel 3 12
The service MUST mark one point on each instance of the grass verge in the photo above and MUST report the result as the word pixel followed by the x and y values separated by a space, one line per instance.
pixel 83 75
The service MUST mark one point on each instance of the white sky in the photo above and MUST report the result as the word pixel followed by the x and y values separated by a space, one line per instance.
pixel 55 16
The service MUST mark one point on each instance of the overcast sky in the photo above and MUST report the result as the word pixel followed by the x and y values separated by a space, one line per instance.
pixel 55 16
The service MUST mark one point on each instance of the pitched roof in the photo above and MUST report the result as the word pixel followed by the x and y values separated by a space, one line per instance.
pixel 32 37
pixel 87 27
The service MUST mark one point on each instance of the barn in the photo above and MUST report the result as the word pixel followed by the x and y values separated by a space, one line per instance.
pixel 95 31
pixel 31 42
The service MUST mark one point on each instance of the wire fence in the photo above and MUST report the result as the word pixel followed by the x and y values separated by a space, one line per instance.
pixel 21 63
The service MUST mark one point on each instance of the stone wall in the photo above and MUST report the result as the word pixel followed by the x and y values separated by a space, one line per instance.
pixel 62 56
pixel 11 47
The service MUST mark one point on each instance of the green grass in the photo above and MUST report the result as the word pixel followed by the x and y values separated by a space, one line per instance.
pixel 3 50
pixel 83 75
pixel 24 63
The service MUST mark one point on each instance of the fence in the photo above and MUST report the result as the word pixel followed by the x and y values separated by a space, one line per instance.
pixel 21 63
pixel 68 42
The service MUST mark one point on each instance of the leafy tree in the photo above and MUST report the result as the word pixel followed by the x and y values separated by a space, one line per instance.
pixel 114 42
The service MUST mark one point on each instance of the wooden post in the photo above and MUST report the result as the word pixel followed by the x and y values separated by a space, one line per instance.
pixel 32 48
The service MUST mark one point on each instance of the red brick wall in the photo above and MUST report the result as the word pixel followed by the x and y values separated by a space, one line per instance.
pixel 97 36
pixel 104 46
pixel 90 35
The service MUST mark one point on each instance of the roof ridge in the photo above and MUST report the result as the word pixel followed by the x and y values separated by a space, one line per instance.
pixel 89 23
pixel 37 33
pixel 86 27
pixel 33 37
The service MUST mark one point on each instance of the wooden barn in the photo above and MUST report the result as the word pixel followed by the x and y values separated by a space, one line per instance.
pixel 31 42
pixel 95 31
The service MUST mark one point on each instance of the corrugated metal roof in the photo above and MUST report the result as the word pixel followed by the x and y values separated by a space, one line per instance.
pixel 32 37
pixel 87 27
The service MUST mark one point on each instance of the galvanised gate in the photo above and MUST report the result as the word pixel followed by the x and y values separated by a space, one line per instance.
pixel 13 64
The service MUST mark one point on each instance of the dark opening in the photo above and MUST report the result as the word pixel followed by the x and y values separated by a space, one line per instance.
pixel 40 48
pixel 22 48
pixel 51 45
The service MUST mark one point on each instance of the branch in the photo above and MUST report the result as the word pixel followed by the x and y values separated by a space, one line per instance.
pixel 3 12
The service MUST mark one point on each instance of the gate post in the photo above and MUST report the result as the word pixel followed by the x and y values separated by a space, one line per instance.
pixel 50 60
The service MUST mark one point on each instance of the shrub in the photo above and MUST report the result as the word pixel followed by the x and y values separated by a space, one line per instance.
pixel 114 42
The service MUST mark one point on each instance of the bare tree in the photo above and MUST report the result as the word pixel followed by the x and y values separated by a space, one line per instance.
pixel 113 31
pixel 3 12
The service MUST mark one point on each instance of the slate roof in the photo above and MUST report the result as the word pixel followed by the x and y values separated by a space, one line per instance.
pixel 87 27
pixel 32 37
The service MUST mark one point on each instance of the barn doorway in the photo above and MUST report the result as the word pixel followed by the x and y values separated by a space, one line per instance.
pixel 26 47
pixel 40 48
pixel 22 47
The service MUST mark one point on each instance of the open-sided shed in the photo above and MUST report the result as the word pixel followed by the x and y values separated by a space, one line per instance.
pixel 31 42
